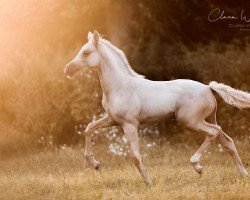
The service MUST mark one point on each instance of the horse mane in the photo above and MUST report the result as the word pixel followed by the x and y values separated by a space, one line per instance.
pixel 123 58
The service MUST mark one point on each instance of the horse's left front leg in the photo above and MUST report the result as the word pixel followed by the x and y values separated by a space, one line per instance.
pixel 131 134
pixel 106 121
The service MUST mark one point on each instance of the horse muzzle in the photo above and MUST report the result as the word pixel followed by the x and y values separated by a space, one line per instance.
pixel 71 69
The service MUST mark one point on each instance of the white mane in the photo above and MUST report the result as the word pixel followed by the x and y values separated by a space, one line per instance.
pixel 123 58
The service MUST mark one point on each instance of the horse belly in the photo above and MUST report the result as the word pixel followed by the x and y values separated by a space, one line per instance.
pixel 154 118
pixel 157 109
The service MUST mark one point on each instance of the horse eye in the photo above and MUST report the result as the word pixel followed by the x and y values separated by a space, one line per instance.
pixel 85 53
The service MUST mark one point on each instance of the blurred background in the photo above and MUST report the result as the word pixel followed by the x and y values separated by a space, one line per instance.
pixel 163 40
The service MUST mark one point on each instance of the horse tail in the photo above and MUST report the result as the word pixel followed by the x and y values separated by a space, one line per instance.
pixel 231 96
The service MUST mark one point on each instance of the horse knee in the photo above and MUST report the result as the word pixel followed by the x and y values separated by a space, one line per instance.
pixel 88 128
pixel 87 131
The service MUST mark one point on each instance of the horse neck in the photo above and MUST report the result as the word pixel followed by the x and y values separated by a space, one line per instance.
pixel 112 74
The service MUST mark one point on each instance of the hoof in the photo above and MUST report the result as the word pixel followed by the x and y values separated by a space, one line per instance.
pixel 198 168
pixel 149 183
pixel 97 166
pixel 199 171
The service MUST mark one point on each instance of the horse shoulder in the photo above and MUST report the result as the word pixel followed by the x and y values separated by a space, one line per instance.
pixel 124 107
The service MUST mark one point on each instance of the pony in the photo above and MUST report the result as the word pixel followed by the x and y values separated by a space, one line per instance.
pixel 129 99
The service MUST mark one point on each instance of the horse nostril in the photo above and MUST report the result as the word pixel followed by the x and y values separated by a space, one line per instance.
pixel 71 69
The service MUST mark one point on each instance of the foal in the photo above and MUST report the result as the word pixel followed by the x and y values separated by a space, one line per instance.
pixel 129 99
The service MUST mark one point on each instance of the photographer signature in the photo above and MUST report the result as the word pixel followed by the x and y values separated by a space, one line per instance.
pixel 217 14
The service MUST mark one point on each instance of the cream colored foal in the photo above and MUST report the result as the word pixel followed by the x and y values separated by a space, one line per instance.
pixel 129 99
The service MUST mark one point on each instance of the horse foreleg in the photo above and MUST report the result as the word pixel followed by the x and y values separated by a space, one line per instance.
pixel 131 134
pixel 106 121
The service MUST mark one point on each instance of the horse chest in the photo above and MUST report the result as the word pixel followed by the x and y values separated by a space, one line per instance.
pixel 122 107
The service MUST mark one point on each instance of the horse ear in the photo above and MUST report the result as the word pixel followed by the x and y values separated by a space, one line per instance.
pixel 96 38
pixel 90 35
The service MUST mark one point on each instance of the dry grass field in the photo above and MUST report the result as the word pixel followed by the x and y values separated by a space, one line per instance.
pixel 42 111
pixel 60 175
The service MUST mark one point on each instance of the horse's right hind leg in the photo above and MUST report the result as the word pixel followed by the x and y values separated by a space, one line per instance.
pixel 212 132
pixel 228 143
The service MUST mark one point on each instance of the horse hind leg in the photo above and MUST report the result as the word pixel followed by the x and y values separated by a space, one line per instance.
pixel 212 132
pixel 228 143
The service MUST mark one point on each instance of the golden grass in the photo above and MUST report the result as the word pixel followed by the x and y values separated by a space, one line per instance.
pixel 60 175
